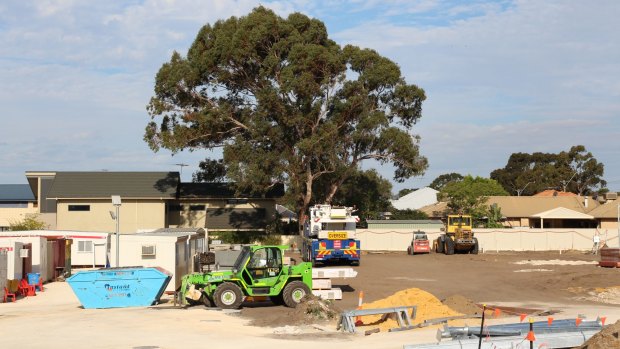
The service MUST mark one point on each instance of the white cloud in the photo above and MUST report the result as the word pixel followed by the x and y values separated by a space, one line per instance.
pixel 508 76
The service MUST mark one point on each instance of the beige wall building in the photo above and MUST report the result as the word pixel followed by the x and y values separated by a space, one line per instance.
pixel 82 201
pixel 579 212
pixel 16 203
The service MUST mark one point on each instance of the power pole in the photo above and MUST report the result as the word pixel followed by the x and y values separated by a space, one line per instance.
pixel 181 165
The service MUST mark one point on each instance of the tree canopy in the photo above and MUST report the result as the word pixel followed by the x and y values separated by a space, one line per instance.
pixel 366 190
pixel 469 195
pixel 576 171
pixel 286 104
pixel 30 222
pixel 439 182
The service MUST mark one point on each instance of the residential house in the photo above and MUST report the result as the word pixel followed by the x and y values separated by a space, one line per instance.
pixel 559 211
pixel 16 203
pixel 81 201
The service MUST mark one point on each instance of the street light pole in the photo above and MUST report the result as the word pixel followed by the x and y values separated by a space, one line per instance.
pixel 116 201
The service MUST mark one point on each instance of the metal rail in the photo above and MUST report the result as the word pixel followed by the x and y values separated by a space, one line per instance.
pixel 402 314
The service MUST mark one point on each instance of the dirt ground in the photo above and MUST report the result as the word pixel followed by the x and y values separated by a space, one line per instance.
pixel 533 280
pixel 570 284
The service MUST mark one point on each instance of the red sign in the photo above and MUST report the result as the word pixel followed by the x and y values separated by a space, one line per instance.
pixel 337 244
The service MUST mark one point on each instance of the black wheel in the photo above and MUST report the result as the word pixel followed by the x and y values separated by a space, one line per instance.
pixel 409 250
pixel 356 263
pixel 439 245
pixel 449 246
pixel 294 292
pixel 277 300
pixel 228 296
pixel 474 249
pixel 208 302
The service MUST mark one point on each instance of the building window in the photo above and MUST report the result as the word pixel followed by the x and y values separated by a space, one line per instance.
pixel 236 201
pixel 85 246
pixel 79 207
pixel 175 208
pixel 197 207
pixel 148 251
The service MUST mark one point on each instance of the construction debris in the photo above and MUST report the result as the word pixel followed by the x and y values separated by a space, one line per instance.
pixel 403 316
pixel 609 337
pixel 427 307
pixel 610 257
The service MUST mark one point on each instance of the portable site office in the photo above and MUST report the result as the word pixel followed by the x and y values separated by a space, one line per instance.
pixel 173 249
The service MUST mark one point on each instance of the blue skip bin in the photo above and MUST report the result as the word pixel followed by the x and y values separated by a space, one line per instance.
pixel 119 287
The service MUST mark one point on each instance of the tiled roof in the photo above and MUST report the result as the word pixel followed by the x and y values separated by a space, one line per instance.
pixel 104 184
pixel 551 192
pixel 526 206
pixel 16 192
pixel 606 210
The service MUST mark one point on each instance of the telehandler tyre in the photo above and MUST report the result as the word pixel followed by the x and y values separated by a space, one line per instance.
pixel 294 292
pixel 228 296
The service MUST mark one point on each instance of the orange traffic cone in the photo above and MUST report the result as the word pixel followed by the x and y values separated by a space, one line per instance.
pixel 603 320
pixel 497 312
pixel 358 319
pixel 549 321
pixel 530 336
pixel 521 317
pixel 578 321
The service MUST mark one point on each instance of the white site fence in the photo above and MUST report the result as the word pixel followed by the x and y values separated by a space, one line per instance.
pixel 490 240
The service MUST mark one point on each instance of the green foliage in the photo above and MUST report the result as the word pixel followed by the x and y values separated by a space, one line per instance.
pixel 404 192
pixel 408 214
pixel 494 217
pixel 576 170
pixel 444 179
pixel 286 104
pixel 30 222
pixel 469 195
pixel 210 171
pixel 247 237
pixel 367 191
pixel 278 227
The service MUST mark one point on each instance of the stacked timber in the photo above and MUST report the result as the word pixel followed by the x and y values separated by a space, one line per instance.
pixel 610 257
pixel 322 283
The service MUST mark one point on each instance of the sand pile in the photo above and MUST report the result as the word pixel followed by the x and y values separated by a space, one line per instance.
pixel 605 339
pixel 462 305
pixel 428 307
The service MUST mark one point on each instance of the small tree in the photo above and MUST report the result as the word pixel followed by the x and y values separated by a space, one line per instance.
pixel 30 222
pixel 469 195
pixel 494 217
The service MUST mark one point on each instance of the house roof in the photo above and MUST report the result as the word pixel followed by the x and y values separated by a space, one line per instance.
pixel 16 192
pixel 416 199
pixel 551 192
pixel 402 221
pixel 438 209
pixel 104 184
pixel 178 232
pixel 606 210
pixel 223 190
pixel 561 213
pixel 527 206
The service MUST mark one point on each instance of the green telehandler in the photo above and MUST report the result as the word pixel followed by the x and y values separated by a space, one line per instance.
pixel 258 271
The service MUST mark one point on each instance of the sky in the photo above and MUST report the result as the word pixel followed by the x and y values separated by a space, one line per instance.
pixel 500 77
